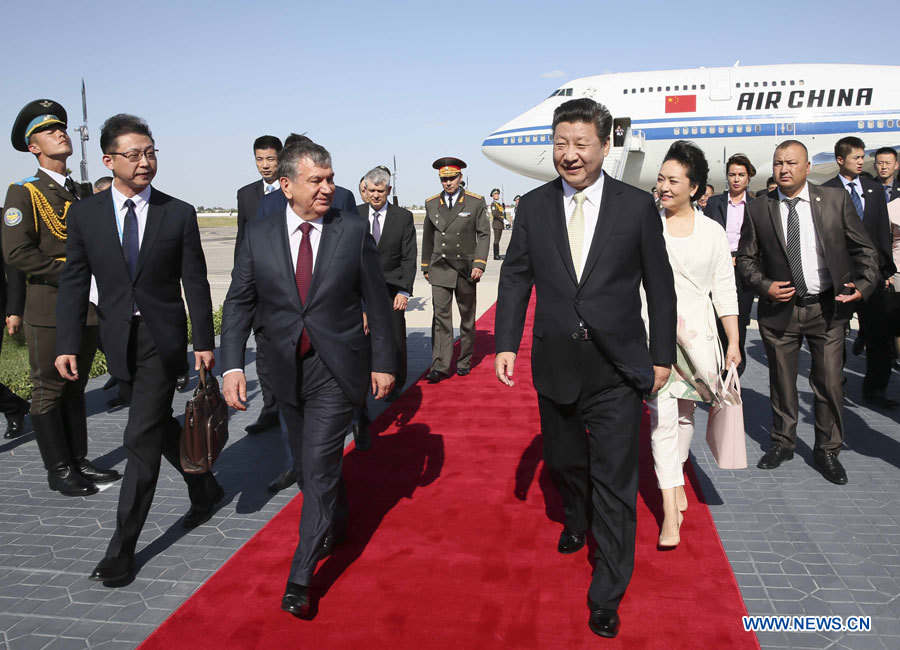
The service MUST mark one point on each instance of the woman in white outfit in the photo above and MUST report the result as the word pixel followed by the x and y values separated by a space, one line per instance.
pixel 704 285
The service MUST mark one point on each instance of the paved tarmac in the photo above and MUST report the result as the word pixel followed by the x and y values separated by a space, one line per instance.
pixel 797 544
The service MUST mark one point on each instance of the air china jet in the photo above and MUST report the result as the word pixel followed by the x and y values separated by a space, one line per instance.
pixel 724 110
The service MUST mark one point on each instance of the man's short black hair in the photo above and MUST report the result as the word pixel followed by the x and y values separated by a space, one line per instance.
pixel 885 151
pixel 844 146
pixel 710 186
pixel 119 125
pixel 586 111
pixel 267 142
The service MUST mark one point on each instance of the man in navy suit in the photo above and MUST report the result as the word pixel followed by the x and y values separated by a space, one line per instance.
pixel 886 166
pixel 727 209
pixel 585 242
pixel 868 200
pixel 265 154
pixel 142 246
pixel 276 202
pixel 305 274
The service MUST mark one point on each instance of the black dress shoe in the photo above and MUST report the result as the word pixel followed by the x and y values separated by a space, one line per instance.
pixel 15 423
pixel 774 457
pixel 435 376
pixel 878 398
pixel 95 474
pixel 361 436
pixel 109 383
pixel 283 482
pixel 462 372
pixel 603 622
pixel 113 569
pixel 264 422
pixel 182 382
pixel 571 541
pixel 69 482
pixel 296 600
pixel 199 514
pixel 116 402
pixel 830 466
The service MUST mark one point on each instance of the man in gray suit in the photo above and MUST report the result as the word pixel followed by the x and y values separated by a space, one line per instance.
pixel 805 252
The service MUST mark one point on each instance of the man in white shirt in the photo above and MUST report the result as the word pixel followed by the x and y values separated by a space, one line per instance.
pixel 808 281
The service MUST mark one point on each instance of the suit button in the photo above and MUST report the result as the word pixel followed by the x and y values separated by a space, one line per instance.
pixel 443 255
pixel 574 336
pixel 578 301
pixel 443 243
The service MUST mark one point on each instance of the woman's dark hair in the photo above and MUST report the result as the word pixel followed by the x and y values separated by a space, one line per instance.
pixel 691 157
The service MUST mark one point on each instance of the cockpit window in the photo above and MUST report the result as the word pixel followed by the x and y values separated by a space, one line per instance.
pixel 562 92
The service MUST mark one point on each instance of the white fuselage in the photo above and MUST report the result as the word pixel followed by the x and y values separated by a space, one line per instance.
pixel 724 110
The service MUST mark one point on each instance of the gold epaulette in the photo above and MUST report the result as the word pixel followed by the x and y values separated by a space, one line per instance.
pixel 473 195
pixel 432 198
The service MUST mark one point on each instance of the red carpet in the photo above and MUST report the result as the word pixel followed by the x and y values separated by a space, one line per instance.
pixel 451 545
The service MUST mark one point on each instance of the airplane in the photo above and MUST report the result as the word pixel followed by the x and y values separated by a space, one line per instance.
pixel 747 109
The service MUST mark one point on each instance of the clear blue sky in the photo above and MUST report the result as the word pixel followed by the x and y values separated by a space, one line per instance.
pixel 371 80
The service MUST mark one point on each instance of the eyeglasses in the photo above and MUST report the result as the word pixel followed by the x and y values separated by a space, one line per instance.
pixel 134 156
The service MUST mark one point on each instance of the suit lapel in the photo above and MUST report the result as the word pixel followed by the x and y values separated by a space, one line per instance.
pixel 556 224
pixel 606 221
pixel 108 228
pixel 390 217
pixel 775 216
pixel 458 207
pixel 332 229
pixel 156 211
pixel 54 187
pixel 281 254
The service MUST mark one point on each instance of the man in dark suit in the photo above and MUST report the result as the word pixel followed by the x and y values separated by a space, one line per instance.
pixel 394 232
pixel 886 166
pixel 265 153
pixel 306 272
pixel 142 246
pixel 586 242
pixel 727 209
pixel 12 304
pixel 868 200
pixel 34 241
pixel 276 202
pixel 805 252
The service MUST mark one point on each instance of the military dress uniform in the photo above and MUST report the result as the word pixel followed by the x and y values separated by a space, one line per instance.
pixel 498 215
pixel 34 241
pixel 454 241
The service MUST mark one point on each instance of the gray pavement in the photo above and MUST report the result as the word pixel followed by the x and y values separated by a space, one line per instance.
pixel 797 544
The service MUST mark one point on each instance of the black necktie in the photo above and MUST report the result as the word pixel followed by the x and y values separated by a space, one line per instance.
pixel 449 202
pixel 795 258
pixel 130 245
pixel 71 187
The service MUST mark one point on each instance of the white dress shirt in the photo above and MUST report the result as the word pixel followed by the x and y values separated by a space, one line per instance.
pixel 295 235
pixel 858 185
pixel 815 270
pixel 455 197
pixel 591 209
pixel 141 203
pixel 94 296
pixel 270 187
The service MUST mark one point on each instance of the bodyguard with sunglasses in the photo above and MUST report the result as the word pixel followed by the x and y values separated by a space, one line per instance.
pixel 142 246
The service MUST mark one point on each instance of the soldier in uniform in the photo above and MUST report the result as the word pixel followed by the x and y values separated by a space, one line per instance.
pixel 498 215
pixel 455 243
pixel 12 303
pixel 34 241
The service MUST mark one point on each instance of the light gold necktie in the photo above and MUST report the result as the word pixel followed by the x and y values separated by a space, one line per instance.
pixel 576 232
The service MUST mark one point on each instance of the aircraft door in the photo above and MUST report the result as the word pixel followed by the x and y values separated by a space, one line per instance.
pixel 620 128
pixel 720 84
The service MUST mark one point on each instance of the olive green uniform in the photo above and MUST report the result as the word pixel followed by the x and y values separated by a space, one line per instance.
pixel 454 241
pixel 498 214
pixel 34 241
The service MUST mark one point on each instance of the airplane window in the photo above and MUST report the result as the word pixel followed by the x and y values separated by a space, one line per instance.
pixel 520 139
pixel 721 129
pixel 756 84
pixel 642 90
pixel 693 130
pixel 731 129
pixel 746 84
pixel 880 124
pixel 782 82
pixel 668 88
pixel 871 124
pixel 527 138
pixel 740 128
pixel 625 91
pixel 801 82
pixel 659 89
pixel 702 129
pixel 737 85
pixel 792 82
pixel 757 128
pixel 702 86
pixel 506 140
pixel 568 92
pixel 765 83
pixel 890 124
pixel 677 131
pixel 860 125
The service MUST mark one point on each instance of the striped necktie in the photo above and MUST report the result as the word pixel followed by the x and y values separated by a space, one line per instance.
pixel 576 232
pixel 857 202
pixel 795 258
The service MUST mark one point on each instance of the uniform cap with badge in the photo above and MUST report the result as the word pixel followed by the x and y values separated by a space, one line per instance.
pixel 36 116
pixel 448 167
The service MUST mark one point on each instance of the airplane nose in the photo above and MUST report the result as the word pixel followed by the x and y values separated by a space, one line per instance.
pixel 521 150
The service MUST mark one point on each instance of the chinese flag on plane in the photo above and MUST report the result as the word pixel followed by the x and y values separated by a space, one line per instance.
pixel 681 103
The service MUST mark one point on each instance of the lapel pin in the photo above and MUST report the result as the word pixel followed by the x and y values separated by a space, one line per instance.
pixel 818 199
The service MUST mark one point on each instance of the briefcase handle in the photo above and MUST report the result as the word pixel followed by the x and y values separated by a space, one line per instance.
pixel 202 383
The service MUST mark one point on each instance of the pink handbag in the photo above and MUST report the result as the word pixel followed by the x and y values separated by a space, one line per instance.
pixel 725 427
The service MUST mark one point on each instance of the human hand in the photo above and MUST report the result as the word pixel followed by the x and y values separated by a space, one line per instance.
pixel 504 364
pixel 400 302
pixel 660 377
pixel 13 324
pixel 476 274
pixel 781 291
pixel 382 384
pixel 733 355
pixel 208 358
pixel 234 388
pixel 849 297
pixel 365 324
pixel 67 366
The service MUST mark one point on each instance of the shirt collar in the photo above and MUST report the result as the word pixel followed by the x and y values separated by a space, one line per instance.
pixel 743 200
pixel 267 185
pixel 593 193
pixel 382 211
pixel 453 196
pixel 803 196
pixel 59 178
pixel 140 199
pixel 855 182
pixel 294 221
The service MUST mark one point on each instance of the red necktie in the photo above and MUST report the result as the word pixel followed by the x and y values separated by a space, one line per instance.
pixel 303 276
